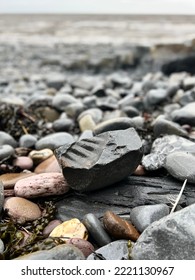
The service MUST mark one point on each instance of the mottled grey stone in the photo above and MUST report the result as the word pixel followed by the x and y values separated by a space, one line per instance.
pixel 170 238
pixel 7 139
pixel 181 166
pixel 100 161
pixel 6 151
pixel 96 229
pixel 161 147
pixel 155 96
pixel 54 140
pixel 116 250
pixel 142 216
pixel 27 141
pixel 60 252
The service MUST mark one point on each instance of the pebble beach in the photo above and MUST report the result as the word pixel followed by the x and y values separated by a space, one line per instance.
pixel 97 137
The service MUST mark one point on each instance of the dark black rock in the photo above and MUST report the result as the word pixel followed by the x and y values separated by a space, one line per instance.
pixel 100 161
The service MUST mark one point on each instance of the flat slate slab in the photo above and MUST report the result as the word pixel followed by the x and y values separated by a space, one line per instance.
pixel 121 197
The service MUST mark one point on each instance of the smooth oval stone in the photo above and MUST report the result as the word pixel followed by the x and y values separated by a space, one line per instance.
pixel 85 246
pixel 61 101
pixel 143 216
pixel 118 227
pixel 23 162
pixel 73 110
pixel 54 140
pixel 48 229
pixel 27 141
pixel 6 151
pixel 21 209
pixel 49 165
pixel 40 185
pixel 140 171
pixel 9 179
pixel 1 246
pixel 95 113
pixel 60 252
pixel 163 127
pixel 70 229
pixel 96 230
pixel 113 124
pixel 97 162
pixel 170 238
pixel 41 155
pixel 116 250
pixel 86 123
pixel 155 96
pixel 185 115
pixel 63 124
pixel 1 195
pixel 7 139
pixel 181 166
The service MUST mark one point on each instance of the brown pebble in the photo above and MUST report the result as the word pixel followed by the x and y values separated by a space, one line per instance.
pixel 21 209
pixel 23 162
pixel 10 179
pixel 48 229
pixel 118 227
pixel 140 171
pixel 85 246
pixel 48 165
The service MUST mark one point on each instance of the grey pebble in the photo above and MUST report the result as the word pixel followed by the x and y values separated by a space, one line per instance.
pixel 185 115
pixel 54 140
pixel 6 151
pixel 116 250
pixel 181 165
pixel 170 238
pixel 27 141
pixel 142 216
pixel 61 101
pixel 96 230
pixel 7 139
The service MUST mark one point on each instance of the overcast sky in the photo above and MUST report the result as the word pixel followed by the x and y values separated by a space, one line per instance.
pixel 98 6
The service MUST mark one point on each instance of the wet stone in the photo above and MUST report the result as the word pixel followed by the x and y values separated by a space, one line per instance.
pixel 60 252
pixel 96 230
pixel 10 179
pixel 163 127
pixel 64 124
pixel 100 161
pixel 143 216
pixel 49 228
pixel 23 162
pixel 118 227
pixel 170 238
pixel 116 250
pixel 40 155
pixel 6 151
